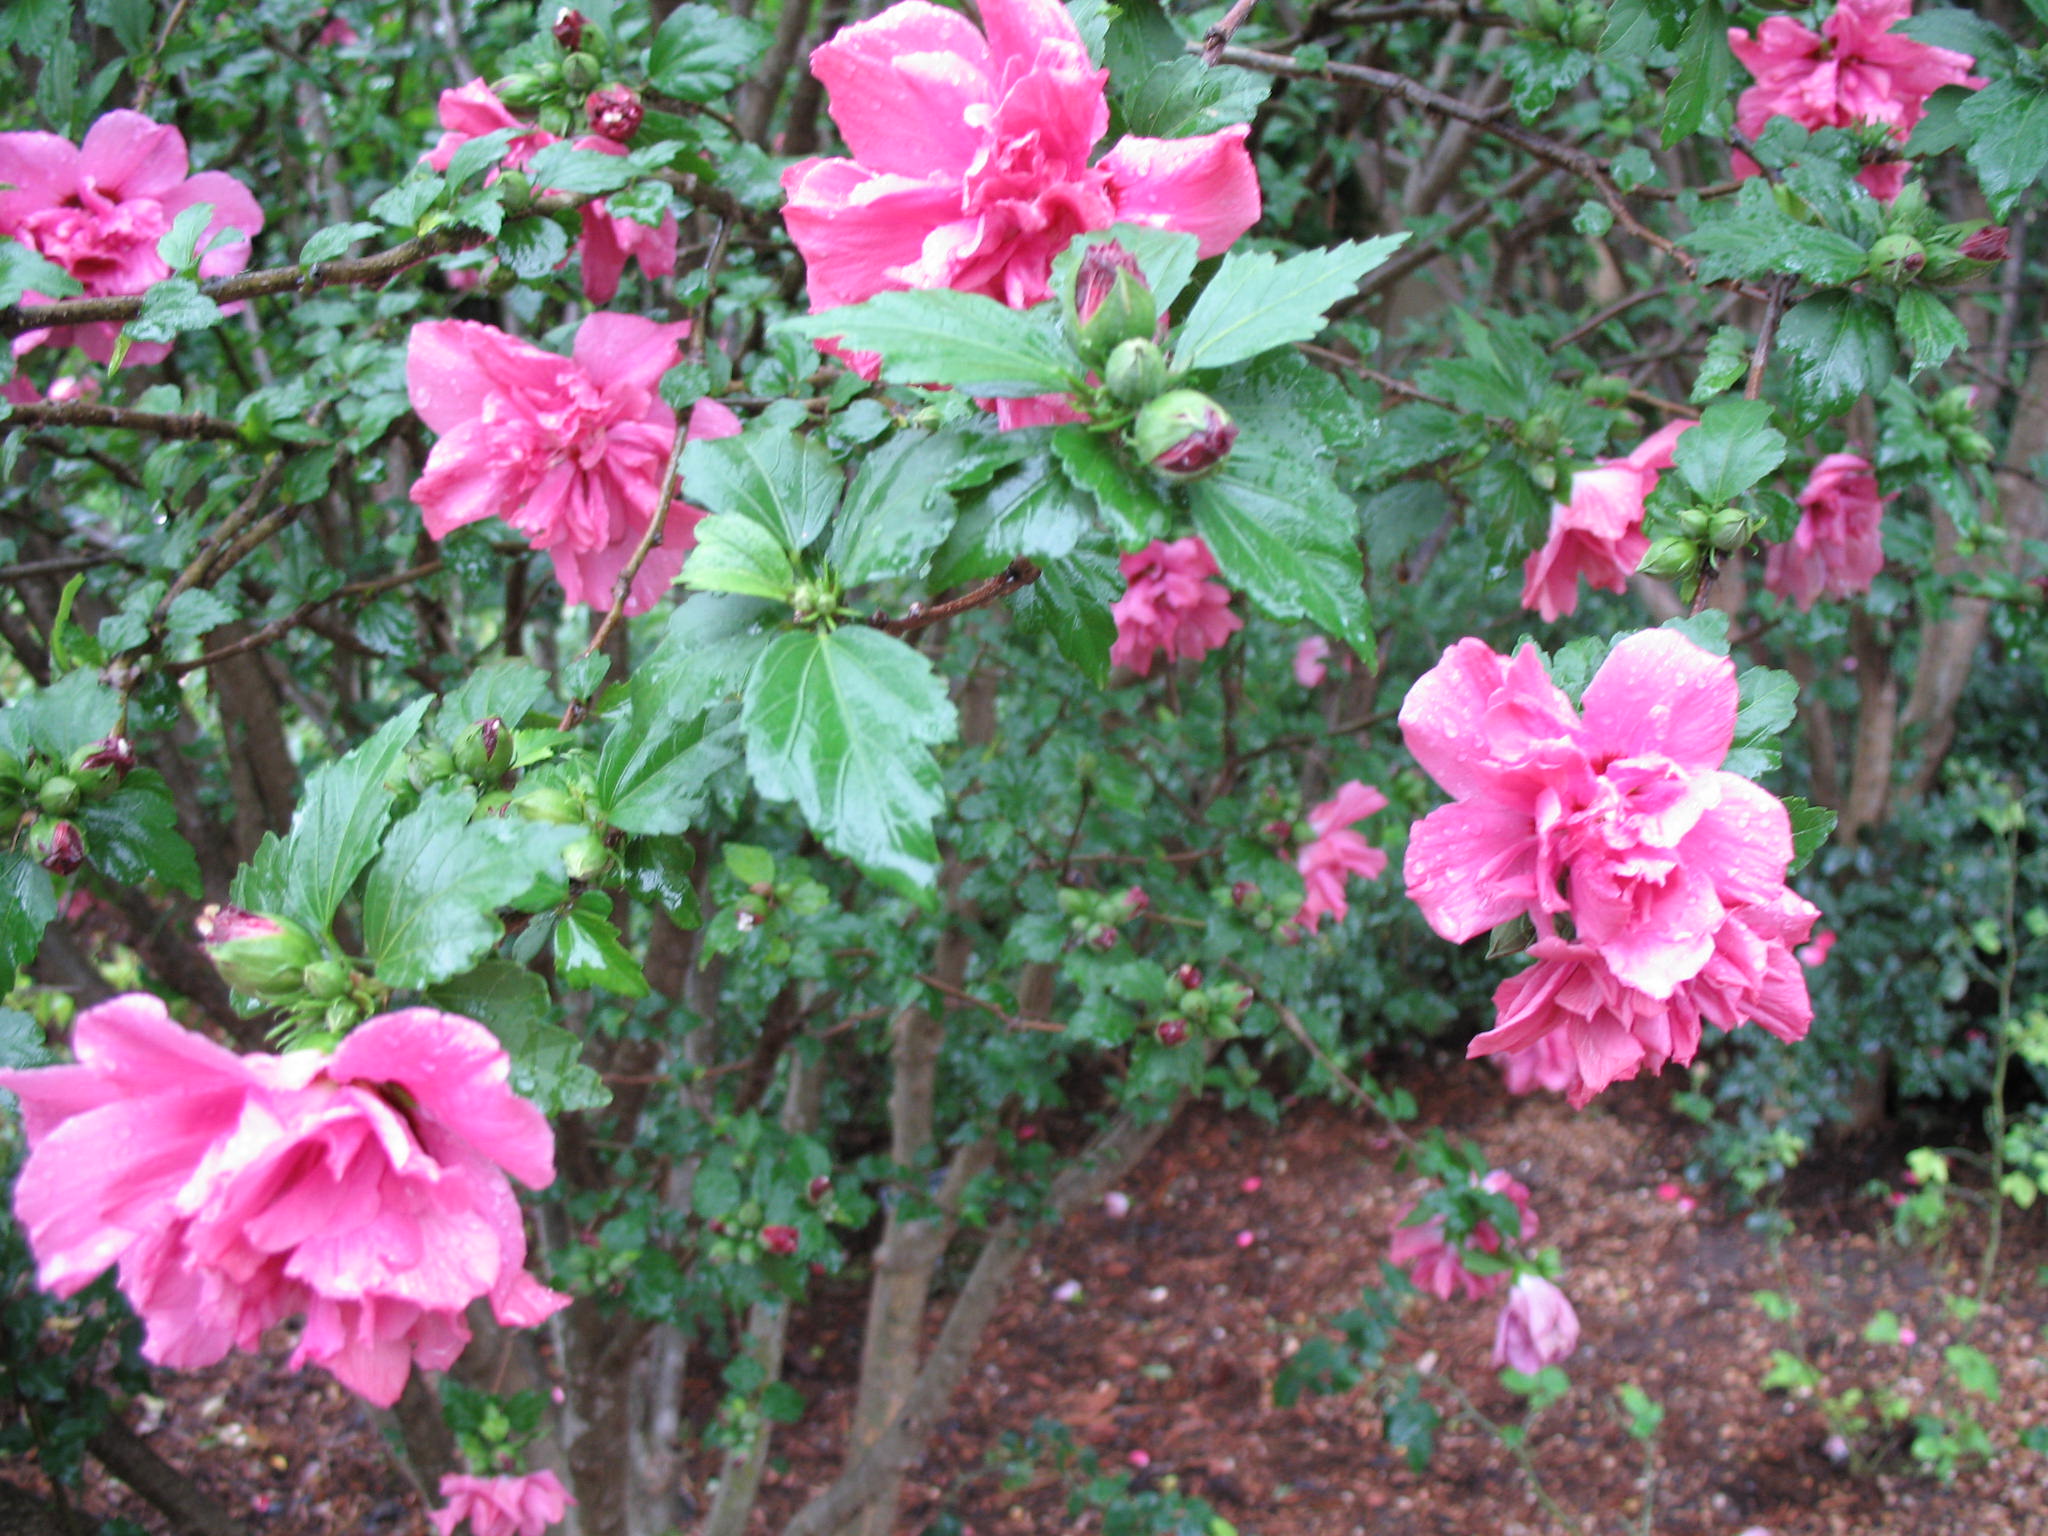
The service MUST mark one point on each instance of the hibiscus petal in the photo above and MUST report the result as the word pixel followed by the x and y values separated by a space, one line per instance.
pixel 901 87
pixel 126 154
pixel 1204 186
pixel 1658 693
pixel 37 170
pixel 627 350
pixel 857 229
pixel 1470 867
pixel 1743 844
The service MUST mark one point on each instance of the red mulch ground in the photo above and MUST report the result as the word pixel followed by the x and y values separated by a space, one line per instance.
pixel 1172 1346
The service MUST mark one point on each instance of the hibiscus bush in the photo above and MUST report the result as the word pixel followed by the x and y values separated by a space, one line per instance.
pixel 1093 553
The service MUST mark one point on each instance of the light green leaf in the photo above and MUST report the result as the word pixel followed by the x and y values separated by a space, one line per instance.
pixel 701 53
pixel 1732 448
pixel 588 952
pixel 565 168
pixel 326 244
pixel 169 309
pixel 532 248
pixel 736 554
pixel 1071 601
pixel 1811 827
pixel 1929 327
pixel 507 690
pixel 1130 499
pixel 1706 69
pixel 654 771
pixel 785 483
pixel 1255 303
pixel 842 723
pixel 23 272
pixel 937 336
pixel 1769 704
pixel 75 711
pixel 2008 124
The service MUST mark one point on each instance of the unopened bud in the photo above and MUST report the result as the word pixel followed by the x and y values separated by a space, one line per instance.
pixel 430 766
pixel 1189 976
pixel 522 90
pixel 547 803
pixel 615 113
pixel 1956 407
pixel 1897 258
pixel 779 1240
pixel 1172 1031
pixel 1112 303
pixel 108 760
pixel 1183 434
pixel 820 1187
pixel 1695 522
pixel 1243 894
pixel 1607 388
pixel 1671 558
pixel 568 29
pixel 1136 370
pixel 254 953
pixel 1103 938
pixel 586 858
pixel 1988 244
pixel 581 71
pixel 59 795
pixel 484 751
pixel 1728 529
pixel 1136 902
pixel 1970 446
pixel 57 846
pixel 328 980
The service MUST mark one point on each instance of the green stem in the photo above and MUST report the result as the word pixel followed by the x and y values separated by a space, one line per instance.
pixel 1517 1449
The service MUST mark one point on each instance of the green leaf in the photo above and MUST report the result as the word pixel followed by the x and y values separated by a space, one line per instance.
pixel 937 336
pixel 1974 1370
pixel 1165 256
pixel 1130 499
pixel 133 836
pixel 654 772
pixel 23 272
pixel 1727 359
pixel 547 1060
pixel 1071 601
pixel 75 711
pixel 505 689
pixel 700 53
pixel 1255 303
pixel 736 554
pixel 1929 327
pixel 1410 1423
pixel 430 904
pixel 1705 72
pixel 842 724
pixel 785 483
pixel 334 240
pixel 27 903
pixel 1750 235
pixel 2008 124
pixel 897 510
pixel 532 248
pixel 1769 704
pixel 169 309
pixel 1732 448
pixel 588 952
pixel 474 156
pixel 565 168
pixel 334 833
pixel 1811 826
pixel 1287 535
pixel 403 206
pixel 21 1042
pixel 1843 345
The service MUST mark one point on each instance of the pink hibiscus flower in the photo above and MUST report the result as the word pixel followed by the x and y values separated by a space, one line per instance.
pixel 1838 548
pixel 1537 1327
pixel 1855 70
pixel 970 165
pixel 1620 819
pixel 570 451
pixel 1171 605
pixel 1337 852
pixel 1434 1264
pixel 1598 532
pixel 501 1506
pixel 1548 1063
pixel 366 1190
pixel 474 110
pixel 97 210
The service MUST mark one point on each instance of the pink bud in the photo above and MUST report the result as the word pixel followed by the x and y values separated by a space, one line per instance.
pixel 1027 1132
pixel 1173 1031
pixel 1136 901
pixel 1097 275
pixel 1242 894
pixel 1189 976
pixel 568 29
pixel 615 113
pixel 1104 938
pixel 779 1240
pixel 1988 244
pixel 821 1186
pixel 64 850
pixel 115 754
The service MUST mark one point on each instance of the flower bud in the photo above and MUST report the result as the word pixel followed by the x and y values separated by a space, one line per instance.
pixel 1897 258
pixel 779 1240
pixel 1243 894
pixel 1136 370
pixel 1172 1031
pixel 430 766
pixel 1987 244
pixel 586 858
pixel 568 29
pixel 1183 434
pixel 1104 938
pixel 1970 445
pixel 581 71
pixel 1189 977
pixel 1728 529
pixel 1671 558
pixel 522 90
pixel 1694 522
pixel 1956 408
pixel 328 980
pixel 484 751
pixel 546 802
pixel 57 846
pixel 59 795
pixel 109 760
pixel 264 956
pixel 1136 902
pixel 615 113
pixel 1607 388
pixel 820 1187
pixel 1112 302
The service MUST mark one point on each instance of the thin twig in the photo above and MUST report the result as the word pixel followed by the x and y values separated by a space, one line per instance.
pixel 1021 574
pixel 1613 311
pixel 277 628
pixel 1323 1059
pixel 1774 309
pixel 1010 1020
pixel 147 87
pixel 90 413
pixel 1218 37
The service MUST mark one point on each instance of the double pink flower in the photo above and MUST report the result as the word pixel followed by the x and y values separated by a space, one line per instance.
pixel 1855 70
pixel 1336 853
pixel 365 1190
pixel 1436 1265
pixel 99 208
pixel 1597 532
pixel 1838 548
pixel 1620 820
pixel 523 1505
pixel 570 451
pixel 1170 604
pixel 971 166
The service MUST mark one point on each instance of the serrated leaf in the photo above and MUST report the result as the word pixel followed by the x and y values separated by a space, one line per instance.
pixel 897 510
pixel 784 483
pixel 21 1041
pixel 1131 500
pixel 334 833
pixel 735 554
pixel 968 341
pixel 842 723
pixel 1974 1371
pixel 1733 447
pixel 430 904
pixel 507 690
pixel 75 711
pixel 1286 535
pixel 1930 328
pixel 1255 303
pixel 133 836
pixel 2008 126
pixel 1769 703
pixel 547 1060
pixel 23 271
pixel 1843 345
pixel 532 248
pixel 654 771
pixel 171 308
pixel 701 53
pixel 1706 69
pixel 27 903
pixel 565 168
pixel 589 953
pixel 326 244
pixel 1811 827
pixel 1727 359
pixel 1071 601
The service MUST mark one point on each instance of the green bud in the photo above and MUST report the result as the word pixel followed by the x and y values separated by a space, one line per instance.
pixel 430 766
pixel 586 858
pixel 581 71
pixel 1671 558
pixel 1904 211
pixel 328 980
pixel 1696 523
pixel 1136 370
pixel 522 90
pixel 484 751
pixel 1728 530
pixel 517 190
pixel 59 795
pixel 343 1015
pixel 549 74
pixel 814 597
pixel 1956 408
pixel 1607 388
pixel 1896 258
pixel 1183 434
pixel 254 953
pixel 1542 432
pixel 548 803
pixel 1970 446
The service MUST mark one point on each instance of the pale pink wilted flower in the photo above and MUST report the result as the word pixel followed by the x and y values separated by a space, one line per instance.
pixel 1908 1335
pixel 1171 605
pixel 366 1189
pixel 1547 1063
pixel 1668 1191
pixel 1597 532
pixel 1855 70
pixel 1336 853
pixel 570 451
pixel 1838 548
pixel 608 241
pixel 1537 1327
pixel 1436 1266
pixel 970 159
pixel 1816 951
pixel 524 1505
pixel 97 210
pixel 1140 1459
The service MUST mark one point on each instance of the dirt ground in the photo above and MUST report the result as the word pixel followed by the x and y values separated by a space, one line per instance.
pixel 1155 1335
